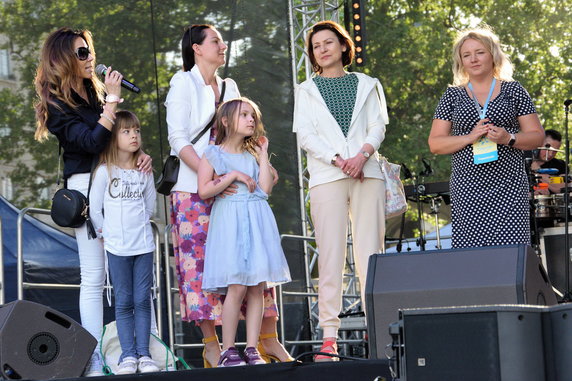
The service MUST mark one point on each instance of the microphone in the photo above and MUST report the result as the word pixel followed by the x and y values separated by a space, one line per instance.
pixel 547 171
pixel 567 102
pixel 101 69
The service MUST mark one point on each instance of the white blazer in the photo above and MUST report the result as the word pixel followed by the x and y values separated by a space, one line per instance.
pixel 320 135
pixel 190 107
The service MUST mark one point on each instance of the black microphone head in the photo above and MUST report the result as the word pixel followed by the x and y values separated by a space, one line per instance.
pixel 100 69
pixel 567 102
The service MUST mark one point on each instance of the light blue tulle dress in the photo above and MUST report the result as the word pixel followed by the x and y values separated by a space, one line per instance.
pixel 243 243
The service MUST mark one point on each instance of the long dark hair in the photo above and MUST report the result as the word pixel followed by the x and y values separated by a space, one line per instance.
pixel 56 73
pixel 194 34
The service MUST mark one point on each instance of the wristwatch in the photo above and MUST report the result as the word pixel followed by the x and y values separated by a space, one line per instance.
pixel 334 159
pixel 512 140
pixel 365 154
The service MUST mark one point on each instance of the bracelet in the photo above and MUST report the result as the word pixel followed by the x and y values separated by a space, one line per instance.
pixel 108 119
pixel 112 98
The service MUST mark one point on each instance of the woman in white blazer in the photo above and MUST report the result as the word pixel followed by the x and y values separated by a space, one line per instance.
pixel 191 104
pixel 340 120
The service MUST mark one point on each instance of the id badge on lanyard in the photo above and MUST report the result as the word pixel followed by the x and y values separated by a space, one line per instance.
pixel 484 150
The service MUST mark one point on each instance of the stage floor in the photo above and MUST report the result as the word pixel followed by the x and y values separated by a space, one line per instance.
pixel 333 371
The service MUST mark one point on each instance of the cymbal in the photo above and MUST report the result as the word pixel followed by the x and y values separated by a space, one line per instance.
pixel 550 149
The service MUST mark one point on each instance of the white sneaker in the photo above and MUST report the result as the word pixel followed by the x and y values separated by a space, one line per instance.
pixel 147 365
pixel 95 366
pixel 127 366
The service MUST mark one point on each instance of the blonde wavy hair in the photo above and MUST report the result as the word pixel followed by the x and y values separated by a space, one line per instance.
pixel 502 66
pixel 57 71
pixel 229 111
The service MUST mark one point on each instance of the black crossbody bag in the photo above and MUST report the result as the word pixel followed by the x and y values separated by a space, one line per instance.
pixel 170 172
pixel 70 208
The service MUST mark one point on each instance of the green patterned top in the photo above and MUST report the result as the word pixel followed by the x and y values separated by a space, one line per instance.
pixel 340 96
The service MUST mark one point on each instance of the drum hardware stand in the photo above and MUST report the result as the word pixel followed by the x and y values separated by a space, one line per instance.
pixel 420 191
pixel 567 297
pixel 532 181
pixel 407 175
pixel 435 207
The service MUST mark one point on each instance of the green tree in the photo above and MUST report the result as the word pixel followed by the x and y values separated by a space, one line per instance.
pixel 130 35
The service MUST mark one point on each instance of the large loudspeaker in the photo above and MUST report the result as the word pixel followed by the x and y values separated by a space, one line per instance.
pixel 37 342
pixel 558 342
pixel 493 343
pixel 509 274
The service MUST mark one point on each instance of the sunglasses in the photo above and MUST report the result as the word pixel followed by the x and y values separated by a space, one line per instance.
pixel 82 53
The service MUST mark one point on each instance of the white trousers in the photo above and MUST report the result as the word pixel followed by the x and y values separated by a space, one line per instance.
pixel 92 269
pixel 330 206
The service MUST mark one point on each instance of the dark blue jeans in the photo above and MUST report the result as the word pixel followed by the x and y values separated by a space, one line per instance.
pixel 132 279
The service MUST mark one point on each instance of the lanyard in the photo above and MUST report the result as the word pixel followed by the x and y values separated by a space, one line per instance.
pixel 483 112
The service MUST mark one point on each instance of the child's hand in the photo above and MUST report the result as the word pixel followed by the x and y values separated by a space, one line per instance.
pixel 229 191
pixel 262 144
pixel 247 180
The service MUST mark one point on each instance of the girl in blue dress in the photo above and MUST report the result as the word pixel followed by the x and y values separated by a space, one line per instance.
pixel 243 255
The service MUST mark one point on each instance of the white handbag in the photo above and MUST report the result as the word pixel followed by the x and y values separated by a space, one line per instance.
pixel 395 200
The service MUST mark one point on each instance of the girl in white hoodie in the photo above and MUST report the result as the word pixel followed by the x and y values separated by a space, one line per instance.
pixel 128 198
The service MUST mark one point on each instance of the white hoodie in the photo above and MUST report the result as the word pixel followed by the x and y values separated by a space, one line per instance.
pixel 321 137
pixel 121 208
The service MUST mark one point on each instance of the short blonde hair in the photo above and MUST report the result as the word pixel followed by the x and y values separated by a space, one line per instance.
pixel 502 67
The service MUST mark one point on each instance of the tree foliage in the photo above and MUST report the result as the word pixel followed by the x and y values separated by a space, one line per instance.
pixel 409 45
pixel 130 35
pixel 409 49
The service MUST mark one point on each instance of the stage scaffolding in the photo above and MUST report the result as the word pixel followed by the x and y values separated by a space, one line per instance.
pixel 303 14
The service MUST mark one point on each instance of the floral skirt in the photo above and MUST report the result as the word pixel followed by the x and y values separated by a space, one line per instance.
pixel 190 222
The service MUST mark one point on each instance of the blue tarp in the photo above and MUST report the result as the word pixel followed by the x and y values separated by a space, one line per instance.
pixel 50 256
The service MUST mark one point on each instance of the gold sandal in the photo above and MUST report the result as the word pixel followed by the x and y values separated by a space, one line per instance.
pixel 206 340
pixel 268 357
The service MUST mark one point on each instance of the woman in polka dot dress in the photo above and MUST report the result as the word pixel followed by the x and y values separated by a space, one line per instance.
pixel 485 121
pixel 340 120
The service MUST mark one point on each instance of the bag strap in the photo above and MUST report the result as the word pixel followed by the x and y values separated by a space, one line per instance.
pixel 90 228
pixel 200 135
pixel 93 165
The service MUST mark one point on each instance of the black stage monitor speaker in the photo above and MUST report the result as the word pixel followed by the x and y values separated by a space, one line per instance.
pixel 37 342
pixel 510 274
pixel 558 342
pixel 492 343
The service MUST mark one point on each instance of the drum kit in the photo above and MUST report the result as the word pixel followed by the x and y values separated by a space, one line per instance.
pixel 548 209
pixel 550 214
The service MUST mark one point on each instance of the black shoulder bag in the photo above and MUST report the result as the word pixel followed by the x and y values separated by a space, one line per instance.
pixel 70 208
pixel 170 172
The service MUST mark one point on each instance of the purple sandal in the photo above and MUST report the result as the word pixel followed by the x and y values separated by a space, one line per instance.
pixel 252 356
pixel 229 358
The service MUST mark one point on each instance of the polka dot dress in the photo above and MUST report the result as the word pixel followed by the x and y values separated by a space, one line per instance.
pixel 489 202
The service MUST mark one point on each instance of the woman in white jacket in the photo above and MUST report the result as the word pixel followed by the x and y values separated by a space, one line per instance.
pixel 340 120
pixel 191 104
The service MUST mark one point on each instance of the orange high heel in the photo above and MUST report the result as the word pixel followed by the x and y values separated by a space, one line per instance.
pixel 328 346
pixel 267 356
pixel 206 340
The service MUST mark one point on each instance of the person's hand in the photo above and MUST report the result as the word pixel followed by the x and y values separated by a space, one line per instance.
pixel 353 166
pixel 145 163
pixel 481 129
pixel 275 176
pixel 229 191
pixel 247 180
pixel 498 134
pixel 113 82
pixel 262 144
